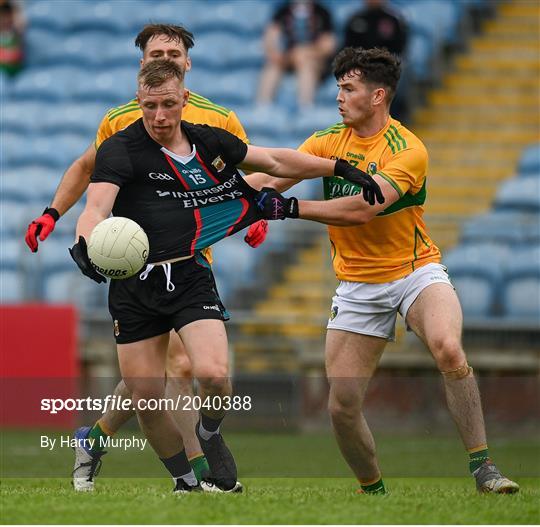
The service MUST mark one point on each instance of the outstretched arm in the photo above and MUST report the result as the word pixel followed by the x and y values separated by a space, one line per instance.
pixel 99 203
pixel 347 211
pixel 75 181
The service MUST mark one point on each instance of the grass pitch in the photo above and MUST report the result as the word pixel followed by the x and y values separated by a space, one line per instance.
pixel 296 499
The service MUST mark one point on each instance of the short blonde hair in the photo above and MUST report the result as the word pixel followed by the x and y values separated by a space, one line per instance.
pixel 157 72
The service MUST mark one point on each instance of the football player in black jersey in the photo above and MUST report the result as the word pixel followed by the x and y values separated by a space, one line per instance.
pixel 204 200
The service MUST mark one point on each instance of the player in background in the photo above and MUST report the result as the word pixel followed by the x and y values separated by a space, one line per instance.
pixel 156 41
pixel 386 263
pixel 181 295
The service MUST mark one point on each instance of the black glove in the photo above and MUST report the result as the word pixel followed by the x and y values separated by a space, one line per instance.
pixel 274 206
pixel 79 253
pixel 369 186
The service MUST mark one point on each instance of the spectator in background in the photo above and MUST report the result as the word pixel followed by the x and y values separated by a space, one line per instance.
pixel 379 26
pixel 12 25
pixel 299 38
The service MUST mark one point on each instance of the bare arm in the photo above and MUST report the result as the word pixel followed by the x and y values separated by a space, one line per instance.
pixel 75 181
pixel 99 203
pixel 258 180
pixel 287 163
pixel 347 211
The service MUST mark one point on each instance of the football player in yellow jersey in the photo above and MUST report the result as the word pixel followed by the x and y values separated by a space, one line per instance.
pixel 156 41
pixel 386 263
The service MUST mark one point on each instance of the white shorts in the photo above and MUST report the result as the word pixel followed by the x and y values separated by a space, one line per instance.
pixel 371 309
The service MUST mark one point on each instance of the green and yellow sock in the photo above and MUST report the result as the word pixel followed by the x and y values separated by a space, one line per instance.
pixel 375 486
pixel 199 466
pixel 477 456
pixel 98 434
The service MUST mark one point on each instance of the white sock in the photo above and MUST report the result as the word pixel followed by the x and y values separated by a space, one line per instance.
pixel 189 478
pixel 205 434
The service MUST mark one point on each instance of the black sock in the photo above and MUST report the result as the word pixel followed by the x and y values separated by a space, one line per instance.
pixel 210 424
pixel 179 467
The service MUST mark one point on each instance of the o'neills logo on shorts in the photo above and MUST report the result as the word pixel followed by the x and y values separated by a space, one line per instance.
pixel 333 312
pixel 215 307
pixel 116 328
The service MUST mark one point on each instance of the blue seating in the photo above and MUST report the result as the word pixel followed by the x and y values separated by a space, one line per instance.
pixel 119 85
pixel 318 118
pixel 420 52
pixel 10 252
pixel 80 118
pixel 475 272
pixel 529 164
pixel 66 284
pixel 236 16
pixel 21 117
pixel 504 226
pixel 267 120
pixel 519 194
pixel 521 289
pixel 231 89
pixel 52 16
pixel 11 286
pixel 14 218
pixel 45 83
pixel 30 184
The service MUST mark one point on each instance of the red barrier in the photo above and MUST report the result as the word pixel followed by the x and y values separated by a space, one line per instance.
pixel 39 359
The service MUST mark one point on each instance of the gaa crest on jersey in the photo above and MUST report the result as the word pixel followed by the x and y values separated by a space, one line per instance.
pixel 116 328
pixel 372 168
pixel 218 163
pixel 333 312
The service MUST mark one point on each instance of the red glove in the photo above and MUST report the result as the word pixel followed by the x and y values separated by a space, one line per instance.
pixel 256 233
pixel 42 226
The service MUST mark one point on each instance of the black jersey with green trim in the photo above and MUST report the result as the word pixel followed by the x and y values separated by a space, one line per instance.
pixel 182 204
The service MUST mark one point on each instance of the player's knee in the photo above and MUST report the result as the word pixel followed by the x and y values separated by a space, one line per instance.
pixel 218 383
pixel 178 366
pixel 146 389
pixel 448 353
pixel 344 405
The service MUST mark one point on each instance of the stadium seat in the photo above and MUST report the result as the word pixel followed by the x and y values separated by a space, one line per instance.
pixel 521 285
pixel 519 194
pixel 14 218
pixel 236 52
pixel 21 117
pixel 66 227
pixel 53 83
pixel 30 184
pixel 318 118
pixel 119 84
pixel 119 51
pixel 53 253
pixel 11 286
pixel 502 226
pixel 226 89
pixel 80 118
pixel 271 119
pixel 68 285
pixel 107 15
pixel 475 271
pixel 529 164
pixel 51 16
pixel 420 52
pixel 10 252
pixel 225 17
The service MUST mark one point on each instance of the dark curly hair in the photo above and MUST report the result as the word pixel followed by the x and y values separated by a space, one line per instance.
pixel 176 33
pixel 376 66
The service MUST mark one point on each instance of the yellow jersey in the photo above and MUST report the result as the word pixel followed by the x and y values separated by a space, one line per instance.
pixel 395 242
pixel 198 110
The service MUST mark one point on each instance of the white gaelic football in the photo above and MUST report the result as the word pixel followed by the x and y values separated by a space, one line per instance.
pixel 118 247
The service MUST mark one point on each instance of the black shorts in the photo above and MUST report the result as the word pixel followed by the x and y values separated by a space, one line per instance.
pixel 145 308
